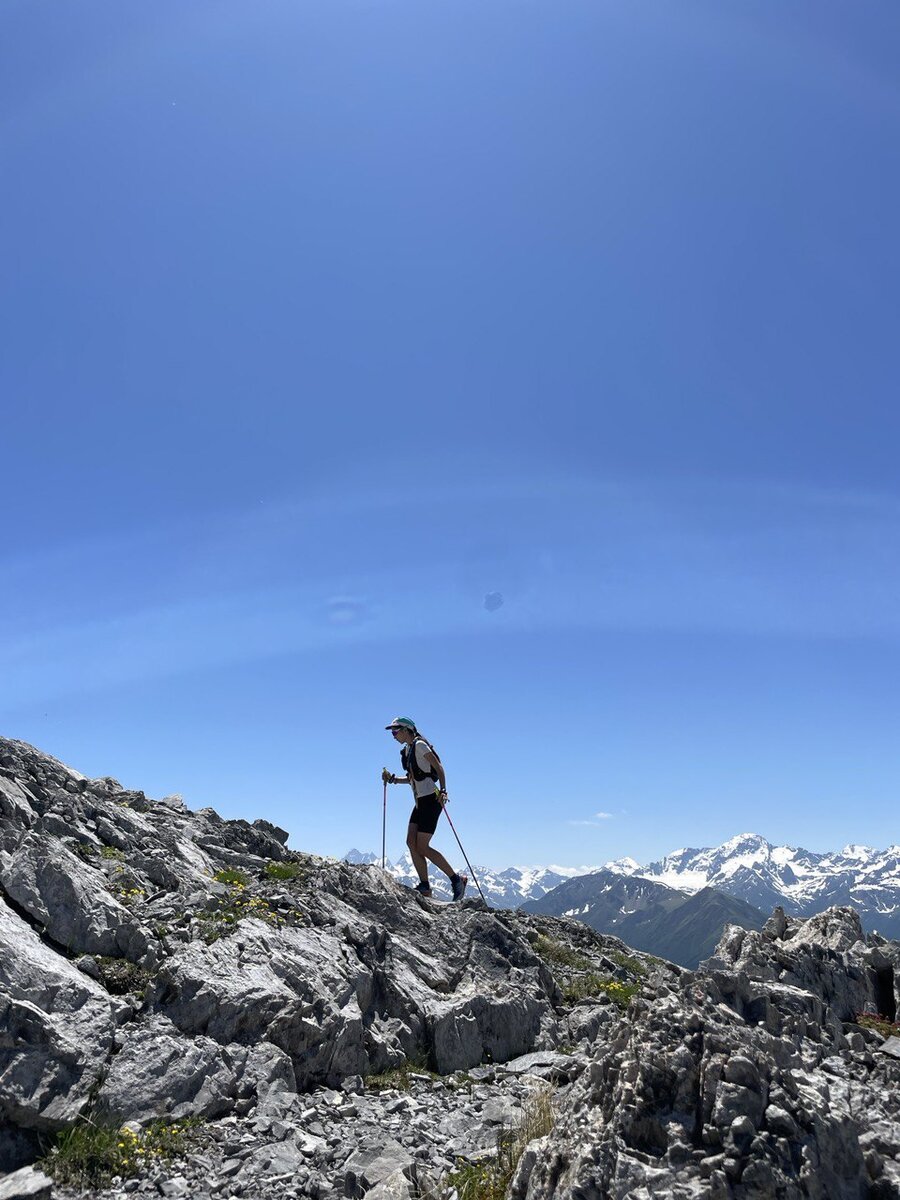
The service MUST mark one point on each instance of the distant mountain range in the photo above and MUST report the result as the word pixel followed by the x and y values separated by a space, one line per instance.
pixel 678 906
pixel 649 916
pixel 801 881
pixel 509 888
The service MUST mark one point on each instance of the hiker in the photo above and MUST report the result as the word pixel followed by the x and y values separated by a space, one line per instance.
pixel 423 769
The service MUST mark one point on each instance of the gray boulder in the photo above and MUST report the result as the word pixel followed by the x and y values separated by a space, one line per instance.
pixel 56 1030
pixel 365 1168
pixel 17 813
pixel 26 1184
pixel 411 1183
pixel 71 900
pixel 296 989
pixel 160 1072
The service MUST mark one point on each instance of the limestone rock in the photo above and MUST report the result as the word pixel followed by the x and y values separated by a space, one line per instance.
pixel 545 1064
pixel 289 989
pixel 410 1184
pixel 162 1073
pixel 366 1168
pixel 740 1083
pixel 70 900
pixel 56 1030
pixel 26 1184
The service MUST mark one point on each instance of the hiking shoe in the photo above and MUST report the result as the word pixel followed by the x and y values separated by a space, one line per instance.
pixel 458 883
pixel 424 889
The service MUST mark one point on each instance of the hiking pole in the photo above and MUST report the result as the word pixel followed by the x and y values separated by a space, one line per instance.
pixel 465 856
pixel 385 775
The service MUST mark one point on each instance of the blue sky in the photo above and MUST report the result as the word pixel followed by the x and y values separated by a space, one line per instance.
pixel 325 321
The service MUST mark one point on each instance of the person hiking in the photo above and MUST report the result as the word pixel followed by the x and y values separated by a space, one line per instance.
pixel 423 769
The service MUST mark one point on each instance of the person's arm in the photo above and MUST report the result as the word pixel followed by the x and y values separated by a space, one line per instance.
pixel 434 761
pixel 398 779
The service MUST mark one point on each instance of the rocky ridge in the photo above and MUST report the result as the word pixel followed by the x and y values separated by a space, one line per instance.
pixel 681 926
pixel 339 1036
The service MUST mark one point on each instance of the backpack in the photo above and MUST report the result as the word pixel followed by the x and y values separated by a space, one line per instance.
pixel 408 759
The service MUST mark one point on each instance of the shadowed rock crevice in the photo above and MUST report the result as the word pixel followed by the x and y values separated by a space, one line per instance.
pixel 886 993
pixel 33 923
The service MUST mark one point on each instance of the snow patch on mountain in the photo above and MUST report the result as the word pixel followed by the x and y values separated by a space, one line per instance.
pixel 623 866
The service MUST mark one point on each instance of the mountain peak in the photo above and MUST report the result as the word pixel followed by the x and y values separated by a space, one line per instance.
pixel 357 856
pixel 622 866
pixel 745 841
pixel 852 850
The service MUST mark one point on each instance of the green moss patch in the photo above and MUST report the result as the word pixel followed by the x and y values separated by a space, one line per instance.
pixel 88 1155
pixel 582 987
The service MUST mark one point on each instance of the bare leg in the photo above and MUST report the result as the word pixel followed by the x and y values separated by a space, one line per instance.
pixel 412 836
pixel 435 856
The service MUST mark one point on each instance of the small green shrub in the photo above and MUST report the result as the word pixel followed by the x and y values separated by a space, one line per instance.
pixel 87 1155
pixel 396 1080
pixel 121 977
pixel 560 955
pixel 129 896
pixel 285 870
pixel 399 1078
pixel 883 1025
pixel 627 963
pixel 480 1181
pixel 112 852
pixel 490 1180
pixel 583 986
pixel 85 850
pixel 216 922
pixel 221 916
pixel 233 876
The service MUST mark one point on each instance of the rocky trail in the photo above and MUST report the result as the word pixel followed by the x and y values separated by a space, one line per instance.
pixel 304 1027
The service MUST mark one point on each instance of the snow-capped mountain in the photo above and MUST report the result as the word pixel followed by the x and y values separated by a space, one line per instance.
pixel 502 889
pixel 803 882
pixel 746 867
pixel 357 856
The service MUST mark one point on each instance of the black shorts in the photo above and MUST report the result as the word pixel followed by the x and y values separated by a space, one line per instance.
pixel 426 813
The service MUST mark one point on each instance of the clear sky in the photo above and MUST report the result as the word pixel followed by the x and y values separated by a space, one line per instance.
pixel 526 368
